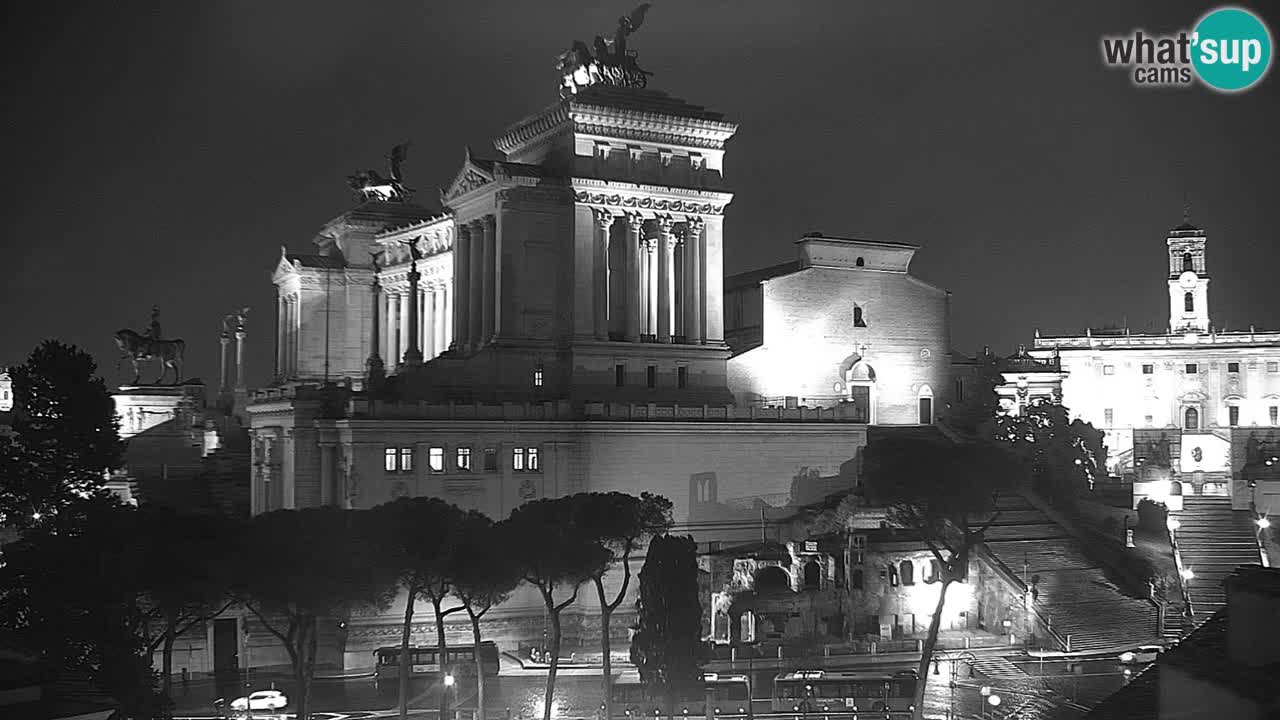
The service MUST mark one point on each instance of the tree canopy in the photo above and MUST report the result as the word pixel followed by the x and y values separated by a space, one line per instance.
pixel 1065 456
pixel 667 648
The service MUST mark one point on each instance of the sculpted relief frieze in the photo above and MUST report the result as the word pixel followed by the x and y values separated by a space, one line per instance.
pixel 646 203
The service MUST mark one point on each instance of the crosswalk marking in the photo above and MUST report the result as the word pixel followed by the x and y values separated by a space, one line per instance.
pixel 999 668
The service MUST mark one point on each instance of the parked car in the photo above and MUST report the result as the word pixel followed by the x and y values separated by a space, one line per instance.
pixel 1141 654
pixel 261 700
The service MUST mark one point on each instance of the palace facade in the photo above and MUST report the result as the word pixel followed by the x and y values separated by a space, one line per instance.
pixel 1185 411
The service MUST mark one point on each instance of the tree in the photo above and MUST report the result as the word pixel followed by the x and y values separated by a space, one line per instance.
pixel 185 577
pixel 1065 456
pixel 418 538
pixel 975 413
pixel 484 576
pixel 65 436
pixel 667 647
pixel 618 523
pixel 308 565
pixel 552 552
pixel 939 490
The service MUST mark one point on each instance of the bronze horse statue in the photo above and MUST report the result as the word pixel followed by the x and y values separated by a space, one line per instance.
pixel 138 349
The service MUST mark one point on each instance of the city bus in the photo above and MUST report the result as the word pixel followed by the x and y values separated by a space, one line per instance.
pixel 460 659
pixel 815 691
pixel 730 695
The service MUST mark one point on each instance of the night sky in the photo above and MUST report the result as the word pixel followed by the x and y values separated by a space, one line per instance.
pixel 161 153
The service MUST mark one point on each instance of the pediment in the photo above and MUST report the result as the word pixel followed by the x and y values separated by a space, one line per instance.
pixel 472 175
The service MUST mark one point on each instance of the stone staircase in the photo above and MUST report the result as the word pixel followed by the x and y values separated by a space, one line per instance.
pixel 1212 541
pixel 1074 591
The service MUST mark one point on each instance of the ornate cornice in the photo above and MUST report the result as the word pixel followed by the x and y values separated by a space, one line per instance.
pixel 642 202
pixel 651 127
pixel 533 129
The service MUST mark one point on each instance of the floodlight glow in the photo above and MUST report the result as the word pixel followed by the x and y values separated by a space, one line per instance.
pixel 1173 523
pixel 448 681
pixel 1263 523
pixel 994 700
pixel 1187 574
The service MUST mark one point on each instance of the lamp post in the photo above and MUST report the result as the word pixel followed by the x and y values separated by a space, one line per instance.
pixel 941 657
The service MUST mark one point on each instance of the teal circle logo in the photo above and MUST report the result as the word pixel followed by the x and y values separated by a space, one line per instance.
pixel 1231 49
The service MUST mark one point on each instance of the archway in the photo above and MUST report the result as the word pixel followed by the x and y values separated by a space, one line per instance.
pixel 812 575
pixel 924 399
pixel 772 579
pixel 861 380
pixel 1191 419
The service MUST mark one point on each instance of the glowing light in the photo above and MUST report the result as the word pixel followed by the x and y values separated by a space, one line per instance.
pixel 35 516
pixel 1263 523
pixel 1127 657
pixel 1187 574
pixel 448 681
pixel 993 700
pixel 985 691
pixel 540 704
pixel 1173 524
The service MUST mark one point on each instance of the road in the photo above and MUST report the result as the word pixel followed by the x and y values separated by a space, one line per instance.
pixel 955 692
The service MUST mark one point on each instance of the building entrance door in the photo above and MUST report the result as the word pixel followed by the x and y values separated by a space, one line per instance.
pixel 226 646
pixel 860 396
pixel 926 411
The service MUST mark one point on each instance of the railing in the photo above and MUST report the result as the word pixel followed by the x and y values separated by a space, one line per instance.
pixel 1182 582
pixel 1209 338
pixel 1044 620
pixel 360 407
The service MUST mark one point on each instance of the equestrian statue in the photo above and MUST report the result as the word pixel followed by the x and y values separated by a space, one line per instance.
pixel 139 348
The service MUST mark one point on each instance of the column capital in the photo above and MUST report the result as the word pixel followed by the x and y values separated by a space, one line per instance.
pixel 489 222
pixel 635 221
pixel 463 231
pixel 604 218
pixel 665 224
pixel 694 224
pixel 672 242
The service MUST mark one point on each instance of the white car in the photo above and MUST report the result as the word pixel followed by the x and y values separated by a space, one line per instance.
pixel 261 700
pixel 1141 654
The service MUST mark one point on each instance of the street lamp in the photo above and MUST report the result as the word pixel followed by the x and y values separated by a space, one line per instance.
pixel 1263 522
pixel 1173 524
pixel 1187 574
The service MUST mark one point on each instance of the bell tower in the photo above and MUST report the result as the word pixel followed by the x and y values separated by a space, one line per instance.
pixel 1188 279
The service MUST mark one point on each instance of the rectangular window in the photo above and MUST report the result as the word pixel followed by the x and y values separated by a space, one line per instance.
pixel 463 459
pixel 1233 367
pixel 435 459
pixel 959 390
pixel 389 460
pixel 651 376
pixel 1233 415
pixel 1192 368
pixel 1108 369
pixel 1148 421
pixel 517 459
pixel 1148 369
pixel 537 376
pixel 682 377
pixel 532 460
pixel 524 459
pixel 406 459
pixel 620 375
pixel 1273 367
pixel 1273 413
pixel 1109 417
pixel 490 459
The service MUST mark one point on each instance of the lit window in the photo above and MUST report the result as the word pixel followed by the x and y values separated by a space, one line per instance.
pixel 1192 368
pixel 682 377
pixel 1108 417
pixel 1108 369
pixel 537 376
pixel 1273 413
pixel 1233 367
pixel 651 376
pixel 517 459
pixel 1148 369
pixel 389 460
pixel 620 375
pixel 463 459
pixel 533 462
pixel 490 459
pixel 435 459
pixel 524 459
pixel 406 459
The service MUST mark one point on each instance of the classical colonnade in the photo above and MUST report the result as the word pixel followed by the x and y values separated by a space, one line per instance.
pixel 435 300
pixel 649 278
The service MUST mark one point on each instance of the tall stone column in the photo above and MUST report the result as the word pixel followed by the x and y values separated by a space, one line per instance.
pixel 475 296
pixel 240 337
pixel 459 322
pixel 604 221
pixel 635 224
pixel 374 369
pixel 713 280
pixel 224 340
pixel 413 351
pixel 429 322
pixel 651 285
pixel 489 262
pixel 666 277
pixel 403 325
pixel 282 309
pixel 291 336
pixel 693 280
pixel 446 325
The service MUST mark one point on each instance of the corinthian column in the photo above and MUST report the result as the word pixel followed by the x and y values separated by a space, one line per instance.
pixel 475 275
pixel 461 285
pixel 489 262
pixel 632 273
pixel 281 341
pixel 666 278
pixel 604 221
pixel 429 347
pixel 693 281
pixel 412 353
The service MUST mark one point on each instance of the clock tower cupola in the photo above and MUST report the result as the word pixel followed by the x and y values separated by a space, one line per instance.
pixel 1188 279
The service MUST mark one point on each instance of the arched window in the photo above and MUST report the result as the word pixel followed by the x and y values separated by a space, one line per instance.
pixel 1189 302
pixel 855 580
pixel 935 572
pixel 858 319
pixel 1192 419
pixel 772 579
pixel 812 575
pixel 859 262
pixel 1175 488
pixel 1187 264
pixel 907 572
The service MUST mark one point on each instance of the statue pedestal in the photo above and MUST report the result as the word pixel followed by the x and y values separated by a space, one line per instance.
pixel 144 408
